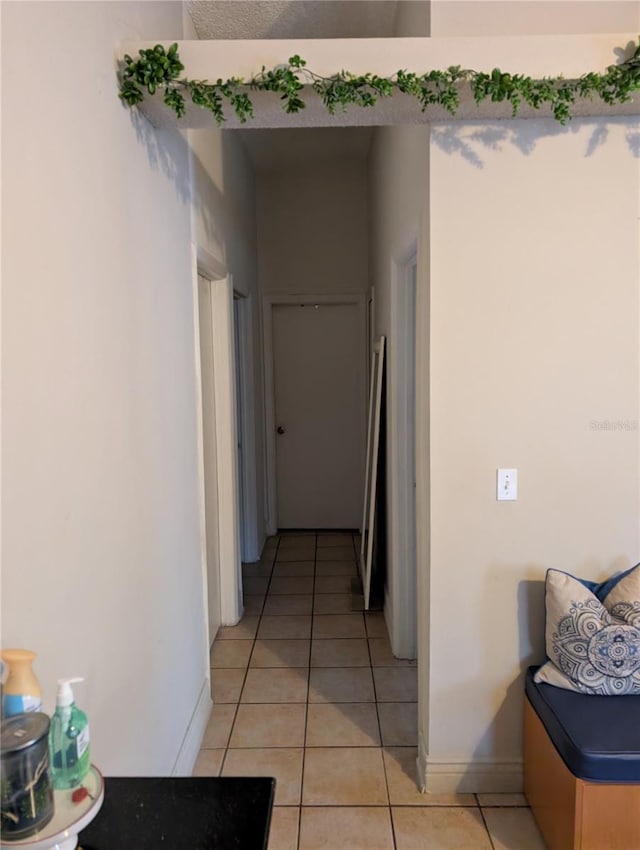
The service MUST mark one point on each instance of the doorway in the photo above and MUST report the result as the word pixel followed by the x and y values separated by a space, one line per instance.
pixel 315 249
pixel 315 347
pixel 210 455
pixel 219 513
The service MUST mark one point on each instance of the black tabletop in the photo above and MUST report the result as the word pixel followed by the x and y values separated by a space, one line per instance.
pixel 195 813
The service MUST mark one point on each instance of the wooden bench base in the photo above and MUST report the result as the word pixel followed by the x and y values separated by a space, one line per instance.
pixel 573 814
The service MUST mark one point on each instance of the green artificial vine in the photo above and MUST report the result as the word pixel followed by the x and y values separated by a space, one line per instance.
pixel 159 70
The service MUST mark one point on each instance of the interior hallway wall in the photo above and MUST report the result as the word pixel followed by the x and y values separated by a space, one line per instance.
pixel 101 567
pixel 312 228
pixel 313 239
pixel 533 308
pixel 399 187
pixel 534 342
pixel 534 348
pixel 413 19
pixel 224 225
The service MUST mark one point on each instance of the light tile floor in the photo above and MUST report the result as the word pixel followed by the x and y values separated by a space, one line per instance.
pixel 308 691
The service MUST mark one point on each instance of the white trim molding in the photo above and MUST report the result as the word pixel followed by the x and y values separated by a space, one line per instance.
pixel 268 382
pixel 202 510
pixel 247 428
pixel 227 453
pixel 192 740
pixel 213 269
pixel 423 478
pixel 477 776
pixel 208 265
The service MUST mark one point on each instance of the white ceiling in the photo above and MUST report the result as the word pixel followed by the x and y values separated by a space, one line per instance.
pixel 231 19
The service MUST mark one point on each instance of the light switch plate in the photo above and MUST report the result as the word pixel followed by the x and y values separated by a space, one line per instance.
pixel 507 486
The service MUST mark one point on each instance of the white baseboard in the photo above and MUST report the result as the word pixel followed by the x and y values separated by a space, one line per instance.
pixel 195 732
pixel 461 776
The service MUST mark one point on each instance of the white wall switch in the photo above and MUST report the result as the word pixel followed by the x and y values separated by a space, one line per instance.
pixel 507 488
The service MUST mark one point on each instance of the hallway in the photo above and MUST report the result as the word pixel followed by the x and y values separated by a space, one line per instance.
pixel 307 691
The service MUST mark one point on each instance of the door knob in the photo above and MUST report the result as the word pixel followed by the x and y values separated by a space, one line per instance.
pixel 280 429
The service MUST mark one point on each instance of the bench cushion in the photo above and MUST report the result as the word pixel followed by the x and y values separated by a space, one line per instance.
pixel 598 737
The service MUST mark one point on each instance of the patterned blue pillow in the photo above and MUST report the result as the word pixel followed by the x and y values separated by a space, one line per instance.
pixel 593 633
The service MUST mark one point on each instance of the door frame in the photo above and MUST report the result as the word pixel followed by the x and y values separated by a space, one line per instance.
pixel 268 303
pixel 246 427
pixel 209 267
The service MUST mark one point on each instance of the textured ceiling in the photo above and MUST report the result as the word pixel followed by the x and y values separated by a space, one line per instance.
pixel 231 19
pixel 237 19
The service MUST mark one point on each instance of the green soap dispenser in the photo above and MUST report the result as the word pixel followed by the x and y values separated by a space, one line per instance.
pixel 68 739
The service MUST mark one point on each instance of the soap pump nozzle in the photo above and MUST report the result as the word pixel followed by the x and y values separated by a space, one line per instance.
pixel 64 696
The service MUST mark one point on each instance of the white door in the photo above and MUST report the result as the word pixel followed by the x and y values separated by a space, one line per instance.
pixel 319 414
pixel 210 459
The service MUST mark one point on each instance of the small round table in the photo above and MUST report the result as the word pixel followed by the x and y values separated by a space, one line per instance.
pixel 61 833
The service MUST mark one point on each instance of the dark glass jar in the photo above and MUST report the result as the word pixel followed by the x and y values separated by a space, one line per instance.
pixel 26 792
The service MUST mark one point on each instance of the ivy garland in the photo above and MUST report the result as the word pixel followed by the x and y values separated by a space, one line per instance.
pixel 159 70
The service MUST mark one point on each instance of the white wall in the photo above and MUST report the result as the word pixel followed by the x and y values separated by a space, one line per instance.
pixel 532 280
pixel 413 18
pixel 312 220
pixel 532 17
pixel 312 228
pixel 533 310
pixel 101 569
pixel 399 175
pixel 534 336
pixel 224 219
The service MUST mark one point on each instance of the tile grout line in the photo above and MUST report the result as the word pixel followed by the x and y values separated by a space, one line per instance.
pixel 369 666
pixel 246 669
pixel 260 619
pixel 384 764
pixel 368 645
pixel 306 708
pixel 484 821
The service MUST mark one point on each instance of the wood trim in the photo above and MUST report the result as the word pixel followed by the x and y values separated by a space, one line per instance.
pixel 549 786
pixel 574 814
pixel 609 816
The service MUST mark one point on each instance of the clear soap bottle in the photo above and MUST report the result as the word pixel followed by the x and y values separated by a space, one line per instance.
pixel 68 739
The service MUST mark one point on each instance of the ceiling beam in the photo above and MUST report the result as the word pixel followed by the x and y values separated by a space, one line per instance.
pixel 535 56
